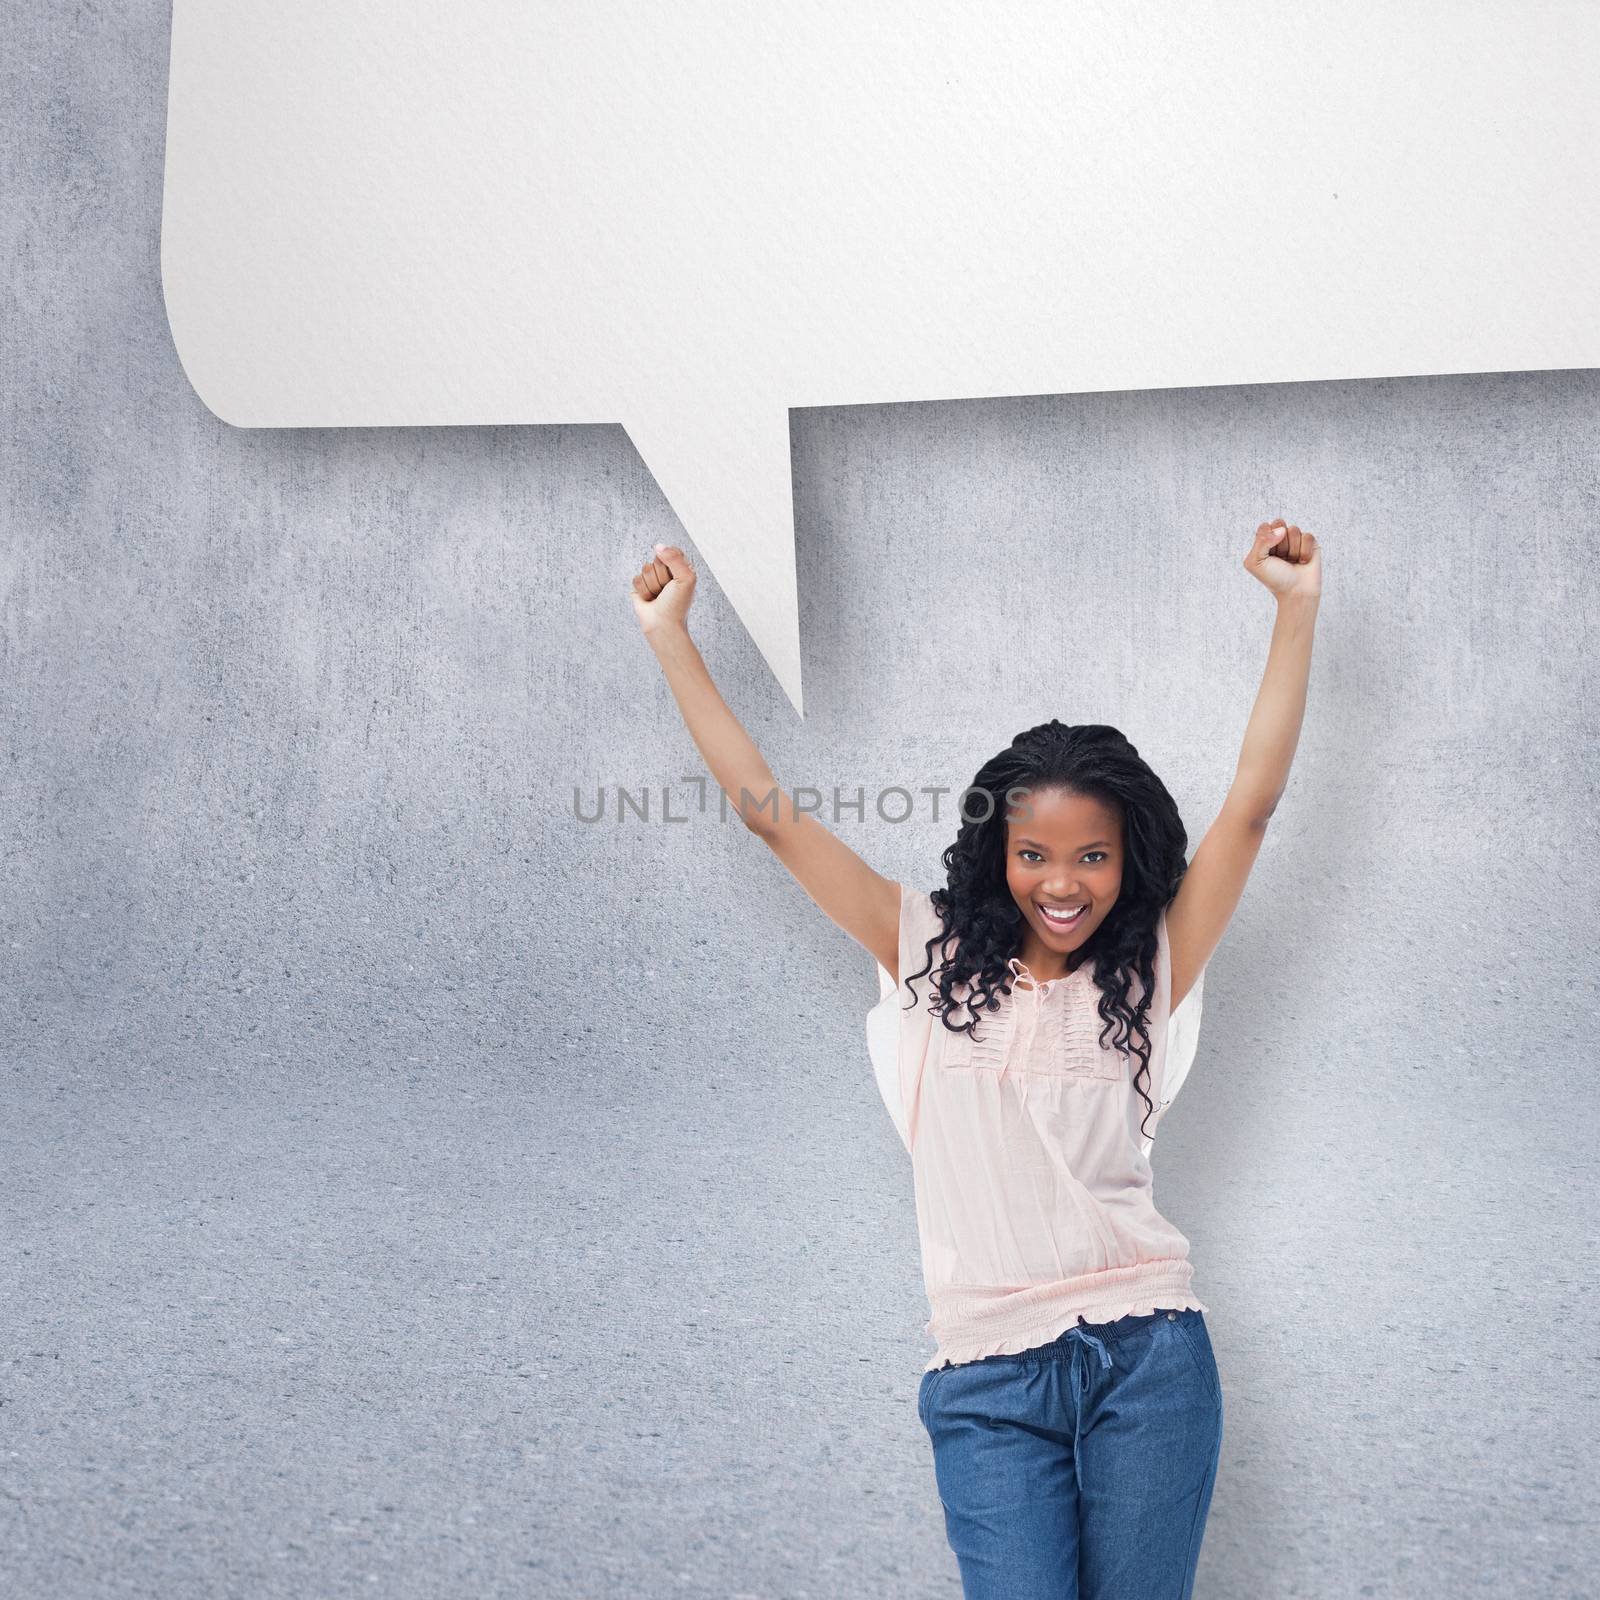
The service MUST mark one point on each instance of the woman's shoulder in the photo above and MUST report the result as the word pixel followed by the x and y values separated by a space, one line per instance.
pixel 919 922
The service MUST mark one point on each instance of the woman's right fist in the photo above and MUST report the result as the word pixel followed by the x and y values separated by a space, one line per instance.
pixel 663 589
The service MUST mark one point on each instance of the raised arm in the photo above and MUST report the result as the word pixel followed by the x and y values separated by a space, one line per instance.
pixel 863 902
pixel 1289 562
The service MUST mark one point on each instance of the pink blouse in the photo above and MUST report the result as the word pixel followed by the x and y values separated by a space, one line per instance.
pixel 1032 1174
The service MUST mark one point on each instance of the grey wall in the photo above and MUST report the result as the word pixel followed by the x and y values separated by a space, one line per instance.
pixel 409 1190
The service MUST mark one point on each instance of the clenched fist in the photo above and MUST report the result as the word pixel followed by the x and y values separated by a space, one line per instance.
pixel 1286 559
pixel 663 589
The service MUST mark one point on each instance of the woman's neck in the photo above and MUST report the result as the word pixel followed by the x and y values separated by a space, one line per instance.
pixel 1047 965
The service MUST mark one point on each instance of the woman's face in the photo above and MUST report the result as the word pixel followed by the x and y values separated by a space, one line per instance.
pixel 1062 851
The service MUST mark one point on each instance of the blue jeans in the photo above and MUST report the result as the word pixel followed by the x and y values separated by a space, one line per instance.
pixel 1081 1469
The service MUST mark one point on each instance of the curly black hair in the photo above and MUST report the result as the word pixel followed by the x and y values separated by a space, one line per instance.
pixel 978 912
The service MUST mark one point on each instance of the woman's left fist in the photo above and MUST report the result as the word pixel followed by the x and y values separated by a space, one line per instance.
pixel 1286 559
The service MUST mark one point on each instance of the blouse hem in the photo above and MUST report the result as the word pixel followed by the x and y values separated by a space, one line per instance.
pixel 1044 1333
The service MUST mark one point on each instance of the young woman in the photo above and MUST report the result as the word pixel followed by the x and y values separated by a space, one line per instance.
pixel 1073 1404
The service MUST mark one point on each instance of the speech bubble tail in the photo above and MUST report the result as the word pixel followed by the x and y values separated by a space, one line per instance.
pixel 725 472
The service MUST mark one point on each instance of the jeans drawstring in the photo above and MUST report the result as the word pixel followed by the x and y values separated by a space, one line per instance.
pixel 1078 1376
pixel 1082 1334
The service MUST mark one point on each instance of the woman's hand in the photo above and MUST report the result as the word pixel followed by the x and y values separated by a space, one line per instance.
pixel 1288 561
pixel 663 589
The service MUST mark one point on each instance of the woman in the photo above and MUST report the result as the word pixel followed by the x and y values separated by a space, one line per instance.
pixel 1073 1403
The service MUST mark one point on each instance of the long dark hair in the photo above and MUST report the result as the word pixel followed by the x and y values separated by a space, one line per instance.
pixel 978 912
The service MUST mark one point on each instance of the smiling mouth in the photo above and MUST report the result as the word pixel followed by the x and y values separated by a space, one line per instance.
pixel 1059 917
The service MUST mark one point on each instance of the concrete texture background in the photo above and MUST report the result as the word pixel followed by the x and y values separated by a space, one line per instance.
pixel 411 1190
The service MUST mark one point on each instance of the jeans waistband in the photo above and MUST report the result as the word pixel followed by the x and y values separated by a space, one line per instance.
pixel 1094 1335
pixel 1091 1337
pixel 1116 1328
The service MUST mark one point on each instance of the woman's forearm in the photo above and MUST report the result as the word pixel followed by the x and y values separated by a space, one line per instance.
pixel 738 766
pixel 1273 731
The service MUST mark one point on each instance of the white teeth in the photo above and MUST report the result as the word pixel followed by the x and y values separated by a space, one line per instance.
pixel 1057 916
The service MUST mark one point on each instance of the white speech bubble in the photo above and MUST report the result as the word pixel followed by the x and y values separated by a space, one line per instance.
pixel 690 217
